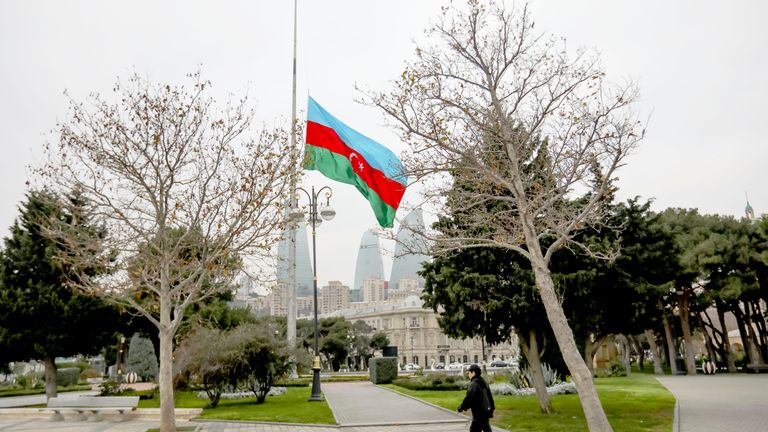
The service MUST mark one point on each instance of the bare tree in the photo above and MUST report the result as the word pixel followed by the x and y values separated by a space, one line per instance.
pixel 183 191
pixel 523 140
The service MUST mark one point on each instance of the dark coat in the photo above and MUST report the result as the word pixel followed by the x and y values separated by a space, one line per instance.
pixel 481 409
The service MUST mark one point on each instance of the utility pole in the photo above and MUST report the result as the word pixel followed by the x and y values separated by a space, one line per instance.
pixel 292 203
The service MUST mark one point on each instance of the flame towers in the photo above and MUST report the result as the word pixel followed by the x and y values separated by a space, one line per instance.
pixel 303 263
pixel 409 251
pixel 369 264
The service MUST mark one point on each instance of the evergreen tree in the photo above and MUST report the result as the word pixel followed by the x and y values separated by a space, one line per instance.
pixel 141 358
pixel 40 317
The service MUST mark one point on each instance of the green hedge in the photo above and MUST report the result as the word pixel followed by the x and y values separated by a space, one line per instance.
pixel 26 392
pixel 305 381
pixel 67 376
pixel 383 370
pixel 432 382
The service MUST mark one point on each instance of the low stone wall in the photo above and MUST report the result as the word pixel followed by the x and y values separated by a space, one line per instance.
pixel 182 414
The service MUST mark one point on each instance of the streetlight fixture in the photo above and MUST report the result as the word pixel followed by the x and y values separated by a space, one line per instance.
pixel 316 217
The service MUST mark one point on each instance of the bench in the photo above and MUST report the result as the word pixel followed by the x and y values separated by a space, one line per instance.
pixel 93 405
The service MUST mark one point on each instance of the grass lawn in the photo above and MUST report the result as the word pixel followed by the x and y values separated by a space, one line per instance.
pixel 633 404
pixel 291 407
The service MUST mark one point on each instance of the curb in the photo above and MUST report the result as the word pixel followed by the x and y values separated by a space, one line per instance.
pixel 466 418
pixel 246 422
pixel 676 421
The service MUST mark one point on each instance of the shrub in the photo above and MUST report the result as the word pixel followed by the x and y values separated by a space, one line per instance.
pixel 259 359
pixel 78 364
pixel 110 388
pixel 22 381
pixel 509 389
pixel 519 379
pixel 614 369
pixel 383 370
pixel 30 380
pixel 247 357
pixel 431 382
pixel 67 376
pixel 203 355
pixel 523 378
pixel 90 373
pixel 141 358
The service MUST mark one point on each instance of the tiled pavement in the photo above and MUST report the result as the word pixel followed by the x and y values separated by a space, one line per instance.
pixel 722 403
pixel 361 403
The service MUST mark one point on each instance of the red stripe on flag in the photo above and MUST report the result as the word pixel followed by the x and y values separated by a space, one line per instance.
pixel 390 191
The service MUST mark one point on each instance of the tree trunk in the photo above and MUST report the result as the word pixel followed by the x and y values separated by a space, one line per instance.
pixel 50 377
pixel 167 412
pixel 711 352
pixel 762 330
pixel 624 350
pixel 531 351
pixel 670 343
pixel 597 421
pixel 638 348
pixel 651 336
pixel 728 355
pixel 685 314
pixel 755 356
pixel 590 348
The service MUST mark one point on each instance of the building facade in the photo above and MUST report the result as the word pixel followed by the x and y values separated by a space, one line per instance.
pixel 418 337
pixel 373 290
pixel 333 297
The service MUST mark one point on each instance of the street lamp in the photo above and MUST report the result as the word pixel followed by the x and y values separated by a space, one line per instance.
pixel 316 217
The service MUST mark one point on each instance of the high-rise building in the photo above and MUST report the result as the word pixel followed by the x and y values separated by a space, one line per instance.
pixel 305 306
pixel 369 264
pixel 373 290
pixel 407 287
pixel 333 297
pixel 277 299
pixel 304 275
pixel 410 250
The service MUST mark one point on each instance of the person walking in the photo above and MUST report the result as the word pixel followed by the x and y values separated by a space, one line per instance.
pixel 479 400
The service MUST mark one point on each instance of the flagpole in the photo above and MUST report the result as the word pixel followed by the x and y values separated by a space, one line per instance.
pixel 292 225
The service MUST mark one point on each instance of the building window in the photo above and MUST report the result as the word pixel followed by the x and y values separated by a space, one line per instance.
pixel 475 358
pixel 415 360
pixel 465 358
pixel 452 359
pixel 405 359
pixel 442 359
pixel 414 322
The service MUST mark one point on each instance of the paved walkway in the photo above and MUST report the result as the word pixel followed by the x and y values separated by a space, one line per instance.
pixel 363 403
pixel 357 406
pixel 720 403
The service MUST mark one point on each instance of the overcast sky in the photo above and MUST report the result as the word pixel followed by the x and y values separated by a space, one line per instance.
pixel 702 68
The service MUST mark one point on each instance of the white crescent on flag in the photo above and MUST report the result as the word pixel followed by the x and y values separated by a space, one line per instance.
pixel 359 167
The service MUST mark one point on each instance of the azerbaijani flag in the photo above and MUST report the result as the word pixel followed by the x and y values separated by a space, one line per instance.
pixel 343 154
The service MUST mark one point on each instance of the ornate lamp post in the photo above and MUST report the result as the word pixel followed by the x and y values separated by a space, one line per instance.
pixel 316 217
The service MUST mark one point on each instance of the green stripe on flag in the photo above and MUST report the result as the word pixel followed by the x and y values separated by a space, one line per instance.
pixel 337 167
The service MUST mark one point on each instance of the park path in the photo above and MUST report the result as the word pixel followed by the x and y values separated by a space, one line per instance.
pixel 363 403
pixel 719 403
